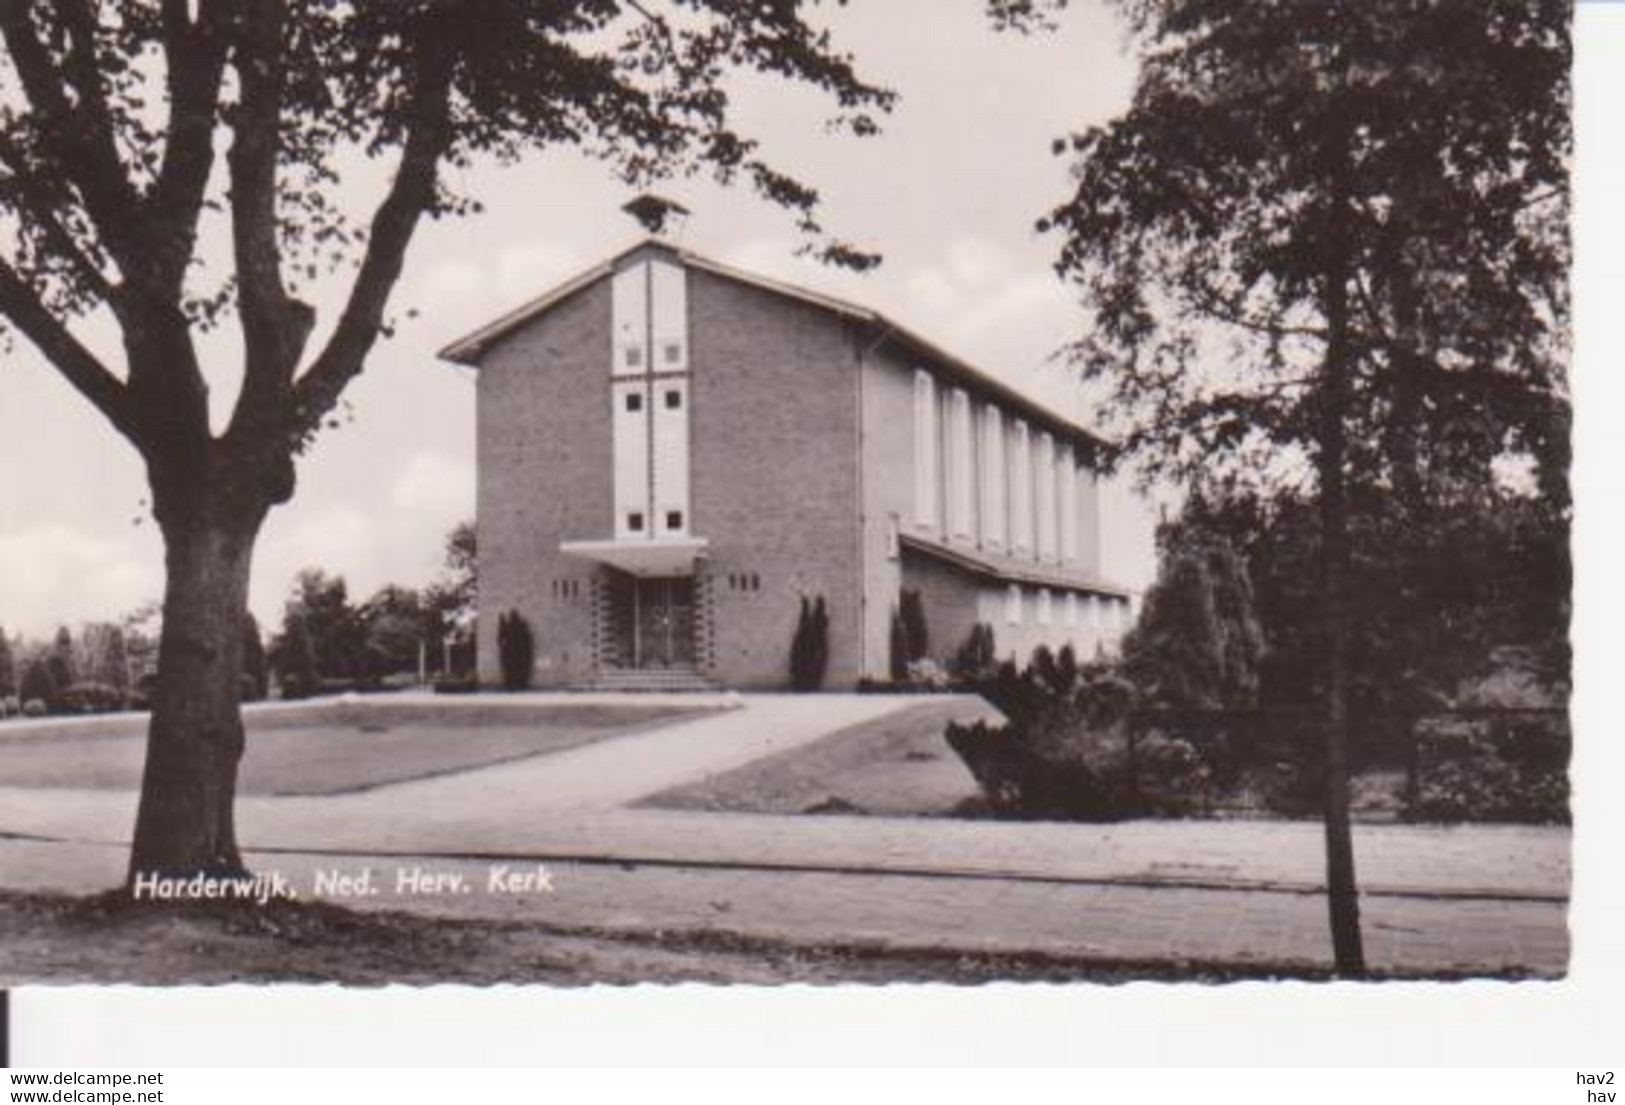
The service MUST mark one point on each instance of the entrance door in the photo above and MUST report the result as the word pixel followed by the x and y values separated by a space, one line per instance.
pixel 664 610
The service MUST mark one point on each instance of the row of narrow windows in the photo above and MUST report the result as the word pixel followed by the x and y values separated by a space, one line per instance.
pixel 744 581
pixel 1094 613
pixel 566 588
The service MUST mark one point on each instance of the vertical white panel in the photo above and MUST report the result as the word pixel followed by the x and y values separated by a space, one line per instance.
pixel 629 424
pixel 1021 488
pixel 993 477
pixel 1071 609
pixel 629 321
pixel 1066 471
pixel 670 397
pixel 1088 521
pixel 1046 611
pixel 925 448
pixel 670 284
pixel 1044 463
pixel 962 491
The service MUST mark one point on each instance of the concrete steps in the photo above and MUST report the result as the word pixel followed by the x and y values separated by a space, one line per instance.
pixel 655 680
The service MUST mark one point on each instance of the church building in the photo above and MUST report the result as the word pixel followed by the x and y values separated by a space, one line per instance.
pixel 673 454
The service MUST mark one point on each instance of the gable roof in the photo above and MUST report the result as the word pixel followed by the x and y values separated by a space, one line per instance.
pixel 472 347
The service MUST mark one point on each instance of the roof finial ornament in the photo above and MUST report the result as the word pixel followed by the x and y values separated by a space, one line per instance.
pixel 657 214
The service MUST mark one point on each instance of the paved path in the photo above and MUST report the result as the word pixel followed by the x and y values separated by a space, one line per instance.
pixel 1485 898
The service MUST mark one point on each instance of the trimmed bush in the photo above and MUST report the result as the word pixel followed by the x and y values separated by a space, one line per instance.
pixel 34 707
pixel 916 635
pixel 91 698
pixel 977 659
pixel 516 650
pixel 897 661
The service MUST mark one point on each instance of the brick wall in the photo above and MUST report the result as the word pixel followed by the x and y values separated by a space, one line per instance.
pixel 774 454
pixel 545 477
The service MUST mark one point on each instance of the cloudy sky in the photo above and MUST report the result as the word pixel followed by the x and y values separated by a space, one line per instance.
pixel 948 194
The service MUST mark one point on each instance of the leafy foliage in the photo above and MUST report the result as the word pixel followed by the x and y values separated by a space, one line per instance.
pixel 1327 246
pixel 131 131
pixel 1198 642
pixel 1071 751
pixel 320 604
pixel 916 633
pixel 1503 756
pixel 294 656
pixel 1438 595
pixel 1423 147
pixel 978 657
pixel 61 660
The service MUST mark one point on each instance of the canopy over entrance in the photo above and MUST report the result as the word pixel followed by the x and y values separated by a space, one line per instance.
pixel 642 557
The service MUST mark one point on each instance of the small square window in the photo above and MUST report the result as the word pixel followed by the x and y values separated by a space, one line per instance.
pixel 634 356
pixel 634 401
pixel 674 352
pixel 674 519
pixel 674 399
pixel 634 522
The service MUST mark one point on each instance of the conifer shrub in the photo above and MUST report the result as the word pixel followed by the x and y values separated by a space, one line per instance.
pixel 516 650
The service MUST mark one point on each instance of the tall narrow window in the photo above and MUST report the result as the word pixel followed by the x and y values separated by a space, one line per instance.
pixel 1066 471
pixel 1044 464
pixel 1012 604
pixel 925 449
pixel 993 519
pixel 961 493
pixel 1021 488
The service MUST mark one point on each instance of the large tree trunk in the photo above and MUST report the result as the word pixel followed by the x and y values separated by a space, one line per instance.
pixel 195 740
pixel 1342 891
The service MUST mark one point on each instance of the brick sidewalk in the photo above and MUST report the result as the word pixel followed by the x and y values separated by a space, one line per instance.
pixel 1406 935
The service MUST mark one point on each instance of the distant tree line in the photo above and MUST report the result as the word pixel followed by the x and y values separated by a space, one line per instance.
pixel 399 635
pixel 325 641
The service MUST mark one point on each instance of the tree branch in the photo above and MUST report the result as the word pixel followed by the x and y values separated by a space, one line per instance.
pixel 275 325
pixel 78 365
pixel 410 195
pixel 196 61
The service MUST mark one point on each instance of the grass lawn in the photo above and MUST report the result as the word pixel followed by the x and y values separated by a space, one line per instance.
pixel 333 747
pixel 897 765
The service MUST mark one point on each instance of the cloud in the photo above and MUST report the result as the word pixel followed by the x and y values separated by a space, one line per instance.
pixel 56 574
pixel 435 485
pixel 337 538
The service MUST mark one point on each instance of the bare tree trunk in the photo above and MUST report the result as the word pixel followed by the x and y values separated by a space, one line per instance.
pixel 185 821
pixel 1342 891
